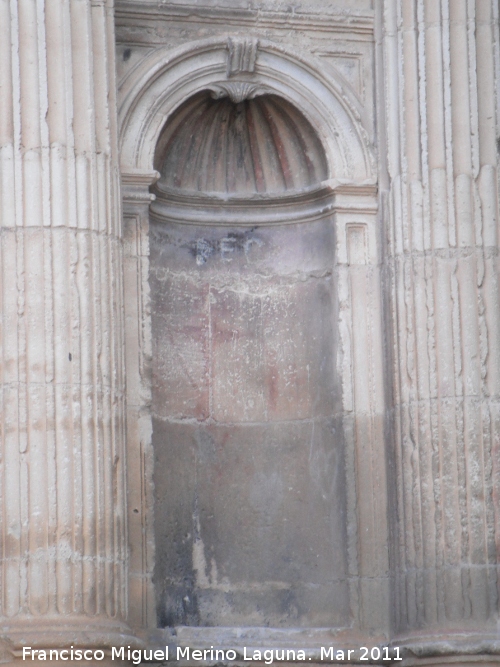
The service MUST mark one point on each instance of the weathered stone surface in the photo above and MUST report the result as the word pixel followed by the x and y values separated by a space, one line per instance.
pixel 445 568
pixel 234 529
pixel 271 358
pixel 181 376
pixel 62 466
pixel 308 318
pixel 244 318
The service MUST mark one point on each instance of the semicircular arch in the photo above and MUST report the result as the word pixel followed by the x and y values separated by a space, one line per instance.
pixel 164 80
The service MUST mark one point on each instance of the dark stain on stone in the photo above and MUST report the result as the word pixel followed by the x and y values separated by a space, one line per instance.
pixel 233 243
pixel 179 605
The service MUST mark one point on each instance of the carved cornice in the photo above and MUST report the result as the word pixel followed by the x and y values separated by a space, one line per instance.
pixel 139 178
pixel 236 211
pixel 136 184
pixel 260 209
pixel 129 12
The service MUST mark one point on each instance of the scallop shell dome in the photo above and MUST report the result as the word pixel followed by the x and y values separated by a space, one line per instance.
pixel 260 145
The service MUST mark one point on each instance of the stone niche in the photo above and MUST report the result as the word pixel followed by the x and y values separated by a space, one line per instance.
pixel 250 492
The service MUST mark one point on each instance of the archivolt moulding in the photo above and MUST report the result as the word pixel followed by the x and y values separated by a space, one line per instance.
pixel 166 79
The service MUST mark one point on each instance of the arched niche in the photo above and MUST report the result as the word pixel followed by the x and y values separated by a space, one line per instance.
pixel 249 463
pixel 163 81
pixel 192 246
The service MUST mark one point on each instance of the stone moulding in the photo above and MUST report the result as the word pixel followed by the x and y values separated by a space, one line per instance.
pixel 55 633
pixel 306 206
pixel 136 184
pixel 128 12
pixel 249 639
pixel 461 645
pixel 457 649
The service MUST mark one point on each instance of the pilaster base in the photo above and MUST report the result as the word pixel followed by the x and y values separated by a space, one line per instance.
pixel 29 640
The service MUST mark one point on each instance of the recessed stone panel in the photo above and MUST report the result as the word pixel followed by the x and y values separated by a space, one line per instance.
pixel 247 442
pixel 252 510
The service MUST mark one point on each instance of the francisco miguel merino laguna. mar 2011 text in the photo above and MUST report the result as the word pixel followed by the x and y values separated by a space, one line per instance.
pixel 327 654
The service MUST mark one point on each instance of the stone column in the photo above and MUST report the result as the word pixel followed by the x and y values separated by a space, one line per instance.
pixel 440 59
pixel 63 521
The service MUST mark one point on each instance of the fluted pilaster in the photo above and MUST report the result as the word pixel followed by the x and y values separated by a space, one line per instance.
pixel 63 521
pixel 443 262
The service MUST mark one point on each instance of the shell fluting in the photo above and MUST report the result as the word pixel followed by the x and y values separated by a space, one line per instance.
pixel 258 145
